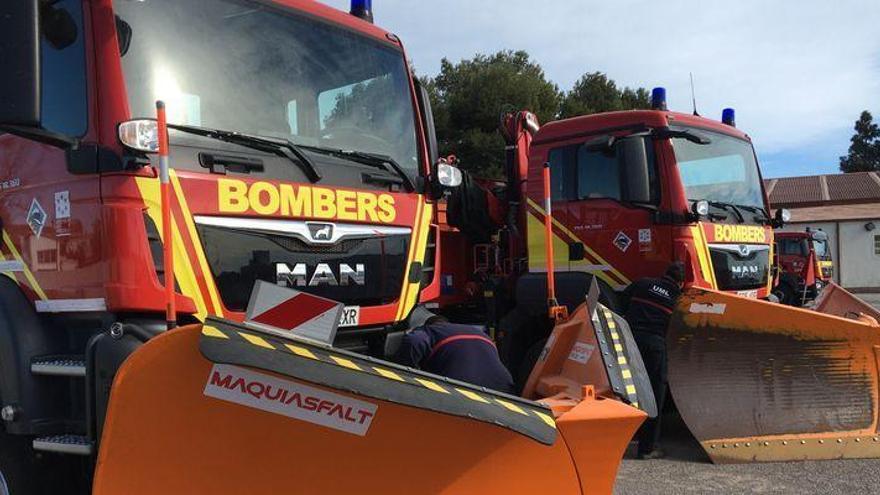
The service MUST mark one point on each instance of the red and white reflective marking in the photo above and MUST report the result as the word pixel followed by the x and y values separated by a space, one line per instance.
pixel 294 311
pixel 288 398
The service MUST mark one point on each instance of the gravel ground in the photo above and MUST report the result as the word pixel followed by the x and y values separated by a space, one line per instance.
pixel 687 470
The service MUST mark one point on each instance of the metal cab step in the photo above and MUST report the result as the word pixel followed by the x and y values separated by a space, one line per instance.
pixel 64 444
pixel 73 366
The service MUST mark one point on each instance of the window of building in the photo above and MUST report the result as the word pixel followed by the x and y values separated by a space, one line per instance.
pixel 64 100
pixel 877 244
pixel 577 173
pixel 47 256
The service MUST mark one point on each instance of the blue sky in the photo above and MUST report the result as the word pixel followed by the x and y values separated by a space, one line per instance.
pixel 799 73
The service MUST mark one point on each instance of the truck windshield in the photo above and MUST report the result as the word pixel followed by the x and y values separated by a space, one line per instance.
pixel 821 248
pixel 243 66
pixel 723 171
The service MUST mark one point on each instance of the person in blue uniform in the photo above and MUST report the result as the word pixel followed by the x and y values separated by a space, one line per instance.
pixel 651 302
pixel 460 352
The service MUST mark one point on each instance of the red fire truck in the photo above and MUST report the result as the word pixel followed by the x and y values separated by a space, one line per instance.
pixel 631 192
pixel 303 154
pixel 805 266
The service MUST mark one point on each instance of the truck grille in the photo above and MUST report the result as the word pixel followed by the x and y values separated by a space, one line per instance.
pixel 740 267
pixel 238 258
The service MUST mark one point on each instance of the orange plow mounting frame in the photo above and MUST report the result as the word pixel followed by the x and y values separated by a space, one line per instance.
pixel 757 381
pixel 177 424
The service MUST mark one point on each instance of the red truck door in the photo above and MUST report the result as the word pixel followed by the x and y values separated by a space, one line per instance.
pixel 591 205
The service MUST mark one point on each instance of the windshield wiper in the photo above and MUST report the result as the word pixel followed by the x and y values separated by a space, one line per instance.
pixel 384 162
pixel 284 147
pixel 757 209
pixel 683 134
pixel 731 208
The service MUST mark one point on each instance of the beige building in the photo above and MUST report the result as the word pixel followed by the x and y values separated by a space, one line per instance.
pixel 847 208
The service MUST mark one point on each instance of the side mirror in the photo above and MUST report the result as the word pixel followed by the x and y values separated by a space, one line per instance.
pixel 633 158
pixel 782 217
pixel 20 53
pixel 447 176
pixel 700 209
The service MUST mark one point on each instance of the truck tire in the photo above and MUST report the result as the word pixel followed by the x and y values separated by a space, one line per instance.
pixel 786 294
pixel 518 333
pixel 527 364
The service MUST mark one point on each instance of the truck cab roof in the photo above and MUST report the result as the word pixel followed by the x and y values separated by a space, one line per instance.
pixel 627 119
pixel 329 14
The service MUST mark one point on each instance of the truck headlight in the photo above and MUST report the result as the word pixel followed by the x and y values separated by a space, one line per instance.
pixel 140 135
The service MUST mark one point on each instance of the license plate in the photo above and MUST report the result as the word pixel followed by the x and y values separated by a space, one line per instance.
pixel 753 294
pixel 350 317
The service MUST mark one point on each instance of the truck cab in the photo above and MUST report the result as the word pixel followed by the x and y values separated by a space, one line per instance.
pixel 633 191
pixel 302 152
pixel 805 265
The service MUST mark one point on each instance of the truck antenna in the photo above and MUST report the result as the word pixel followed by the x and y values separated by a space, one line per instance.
pixel 694 95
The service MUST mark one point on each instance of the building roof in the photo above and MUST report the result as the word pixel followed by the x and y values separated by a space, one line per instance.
pixel 864 211
pixel 825 190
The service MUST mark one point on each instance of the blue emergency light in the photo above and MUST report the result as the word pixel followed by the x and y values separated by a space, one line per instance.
pixel 362 9
pixel 658 99
pixel 728 116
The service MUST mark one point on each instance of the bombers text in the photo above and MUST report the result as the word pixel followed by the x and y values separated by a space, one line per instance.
pixel 288 200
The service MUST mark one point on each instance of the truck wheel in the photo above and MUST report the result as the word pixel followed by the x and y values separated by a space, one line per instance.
pixel 524 370
pixel 519 332
pixel 786 294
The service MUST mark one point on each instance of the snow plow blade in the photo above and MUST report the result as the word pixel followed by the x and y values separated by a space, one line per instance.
pixel 756 381
pixel 225 409
pixel 835 300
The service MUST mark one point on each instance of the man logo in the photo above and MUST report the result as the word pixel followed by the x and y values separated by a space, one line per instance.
pixel 744 250
pixel 321 232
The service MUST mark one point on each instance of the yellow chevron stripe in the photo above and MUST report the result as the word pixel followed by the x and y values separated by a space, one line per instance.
pixel 431 385
pixel 213 332
pixel 183 272
pixel 389 374
pixel 27 271
pixel 510 406
pixel 257 340
pixel 401 301
pixel 346 363
pixel 424 229
pixel 701 246
pixel 575 238
pixel 471 395
pixel 301 351
pixel 197 246
pixel 545 418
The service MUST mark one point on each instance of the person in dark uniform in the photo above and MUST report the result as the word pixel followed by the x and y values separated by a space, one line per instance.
pixel 460 352
pixel 651 302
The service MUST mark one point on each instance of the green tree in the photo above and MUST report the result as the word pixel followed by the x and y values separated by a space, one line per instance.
pixel 864 150
pixel 594 92
pixel 468 98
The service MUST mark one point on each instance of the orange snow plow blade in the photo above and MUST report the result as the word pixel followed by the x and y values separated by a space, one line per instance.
pixel 757 381
pixel 225 409
pixel 835 300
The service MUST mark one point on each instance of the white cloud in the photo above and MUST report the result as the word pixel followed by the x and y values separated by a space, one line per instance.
pixel 796 71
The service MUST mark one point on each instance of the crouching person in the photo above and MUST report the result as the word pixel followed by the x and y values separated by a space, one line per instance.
pixel 460 352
